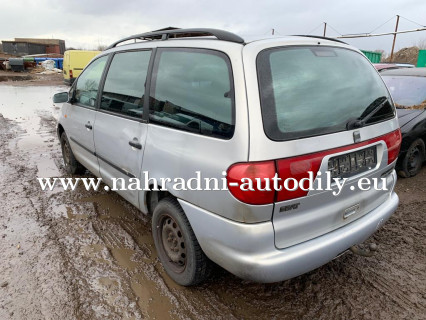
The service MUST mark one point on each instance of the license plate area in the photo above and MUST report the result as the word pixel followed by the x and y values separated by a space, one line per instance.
pixel 353 163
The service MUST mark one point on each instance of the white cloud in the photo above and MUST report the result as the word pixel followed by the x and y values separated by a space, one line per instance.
pixel 88 23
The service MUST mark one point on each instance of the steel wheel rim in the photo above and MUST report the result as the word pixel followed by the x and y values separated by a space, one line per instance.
pixel 413 160
pixel 172 243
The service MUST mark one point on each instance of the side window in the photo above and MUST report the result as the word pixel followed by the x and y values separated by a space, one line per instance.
pixel 125 83
pixel 87 86
pixel 192 90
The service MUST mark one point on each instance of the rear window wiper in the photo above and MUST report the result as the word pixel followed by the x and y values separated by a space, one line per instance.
pixel 369 112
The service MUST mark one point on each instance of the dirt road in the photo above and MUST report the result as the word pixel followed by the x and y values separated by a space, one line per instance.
pixel 87 255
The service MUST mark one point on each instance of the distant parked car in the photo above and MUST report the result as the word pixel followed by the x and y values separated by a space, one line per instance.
pixel 405 65
pixel 408 89
pixel 384 66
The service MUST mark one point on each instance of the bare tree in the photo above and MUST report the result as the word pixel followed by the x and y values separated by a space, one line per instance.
pixel 101 47
pixel 421 44
pixel 383 56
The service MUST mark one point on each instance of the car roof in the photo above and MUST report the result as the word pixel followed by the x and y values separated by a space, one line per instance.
pixel 208 33
pixel 414 72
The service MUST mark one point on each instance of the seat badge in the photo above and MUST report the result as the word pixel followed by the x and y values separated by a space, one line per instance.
pixel 357 136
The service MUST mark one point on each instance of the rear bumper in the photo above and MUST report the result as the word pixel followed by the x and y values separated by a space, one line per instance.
pixel 248 250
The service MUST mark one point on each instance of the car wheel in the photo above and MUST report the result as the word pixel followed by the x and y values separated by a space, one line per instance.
pixel 413 160
pixel 177 246
pixel 72 166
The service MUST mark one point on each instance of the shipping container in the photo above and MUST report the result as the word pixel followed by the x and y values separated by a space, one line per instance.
pixel 374 57
pixel 421 61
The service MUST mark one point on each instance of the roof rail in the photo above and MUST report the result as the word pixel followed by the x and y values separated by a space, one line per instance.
pixel 319 37
pixel 182 33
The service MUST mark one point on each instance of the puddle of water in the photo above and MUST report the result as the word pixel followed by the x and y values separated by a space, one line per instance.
pixel 125 258
pixel 21 103
pixel 28 106
pixel 149 298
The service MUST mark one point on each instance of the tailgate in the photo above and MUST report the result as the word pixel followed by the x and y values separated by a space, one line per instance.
pixel 320 211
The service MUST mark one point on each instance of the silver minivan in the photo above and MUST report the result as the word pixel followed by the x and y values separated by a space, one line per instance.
pixel 175 102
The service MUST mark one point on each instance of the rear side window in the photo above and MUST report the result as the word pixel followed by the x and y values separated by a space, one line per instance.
pixel 192 90
pixel 308 91
pixel 125 83
pixel 87 86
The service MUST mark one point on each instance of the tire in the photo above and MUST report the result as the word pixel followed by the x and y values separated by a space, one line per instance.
pixel 413 160
pixel 72 166
pixel 176 244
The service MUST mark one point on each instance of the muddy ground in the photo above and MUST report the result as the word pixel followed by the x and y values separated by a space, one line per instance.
pixel 87 255
pixel 34 77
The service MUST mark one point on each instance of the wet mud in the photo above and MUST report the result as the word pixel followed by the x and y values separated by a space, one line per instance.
pixel 30 78
pixel 90 255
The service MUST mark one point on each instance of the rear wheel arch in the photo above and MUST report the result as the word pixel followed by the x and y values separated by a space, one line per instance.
pixel 153 197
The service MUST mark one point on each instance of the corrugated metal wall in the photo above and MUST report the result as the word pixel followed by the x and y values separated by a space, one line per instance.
pixel 34 48
pixel 421 61
pixel 374 57
pixel 22 48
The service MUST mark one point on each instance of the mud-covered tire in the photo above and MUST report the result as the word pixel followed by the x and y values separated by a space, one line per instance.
pixel 186 264
pixel 72 166
pixel 413 159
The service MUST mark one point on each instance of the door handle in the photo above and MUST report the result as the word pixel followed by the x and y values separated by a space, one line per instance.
pixel 88 126
pixel 135 144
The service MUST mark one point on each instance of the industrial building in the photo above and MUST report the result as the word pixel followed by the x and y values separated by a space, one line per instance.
pixel 31 46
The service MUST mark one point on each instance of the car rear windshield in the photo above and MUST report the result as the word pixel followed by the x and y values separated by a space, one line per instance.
pixel 407 91
pixel 307 91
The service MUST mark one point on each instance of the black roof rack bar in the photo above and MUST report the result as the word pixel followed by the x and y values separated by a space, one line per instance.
pixel 319 37
pixel 180 33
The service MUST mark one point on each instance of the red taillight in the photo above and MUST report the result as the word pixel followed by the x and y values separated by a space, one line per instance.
pixel 393 141
pixel 252 170
pixel 70 73
pixel 296 168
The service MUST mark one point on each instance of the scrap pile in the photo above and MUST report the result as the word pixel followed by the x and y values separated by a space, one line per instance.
pixel 406 55
pixel 41 65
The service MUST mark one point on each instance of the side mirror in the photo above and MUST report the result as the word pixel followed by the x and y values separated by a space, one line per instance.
pixel 61 97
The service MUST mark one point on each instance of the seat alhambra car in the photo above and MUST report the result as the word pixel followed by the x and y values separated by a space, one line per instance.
pixel 176 102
